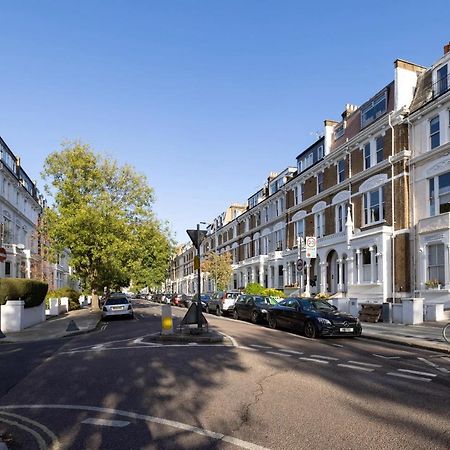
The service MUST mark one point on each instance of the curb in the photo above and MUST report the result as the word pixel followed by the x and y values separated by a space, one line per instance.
pixel 187 338
pixel 406 343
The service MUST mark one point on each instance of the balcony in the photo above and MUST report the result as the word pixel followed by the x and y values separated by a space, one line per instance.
pixel 435 223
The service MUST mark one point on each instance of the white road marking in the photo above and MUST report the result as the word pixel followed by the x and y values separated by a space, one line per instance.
pixel 138 340
pixel 447 358
pixel 325 357
pixel 248 348
pixel 314 360
pixel 279 354
pixel 385 357
pixel 409 377
pixel 259 346
pixel 106 423
pixel 294 352
pixel 232 340
pixel 98 347
pixel 442 369
pixel 192 343
pixel 365 364
pixel 432 364
pixel 41 442
pixel 416 372
pixel 338 345
pixel 55 442
pixel 170 423
pixel 349 366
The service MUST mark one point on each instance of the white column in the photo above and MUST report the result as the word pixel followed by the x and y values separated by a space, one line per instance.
pixel 323 276
pixel 261 273
pixel 350 271
pixel 373 267
pixel 339 280
pixel 358 266
pixel 285 274
pixel 446 268
pixel 380 267
pixel 308 279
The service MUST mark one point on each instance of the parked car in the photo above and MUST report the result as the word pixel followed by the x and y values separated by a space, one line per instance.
pixel 253 307
pixel 177 299
pixel 313 318
pixel 222 302
pixel 117 305
pixel 204 299
pixel 186 300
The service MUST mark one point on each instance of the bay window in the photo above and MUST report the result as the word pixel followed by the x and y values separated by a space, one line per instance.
pixel 374 206
pixel 439 194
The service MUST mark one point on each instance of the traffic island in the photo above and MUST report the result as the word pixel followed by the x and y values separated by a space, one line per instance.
pixel 187 335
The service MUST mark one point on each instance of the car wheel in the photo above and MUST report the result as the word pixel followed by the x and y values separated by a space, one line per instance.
pixel 235 315
pixel 272 322
pixel 255 318
pixel 310 330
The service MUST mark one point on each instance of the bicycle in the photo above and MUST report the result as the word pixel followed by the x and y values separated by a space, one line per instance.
pixel 446 332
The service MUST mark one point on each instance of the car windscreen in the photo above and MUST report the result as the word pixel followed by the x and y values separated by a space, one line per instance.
pixel 318 305
pixel 265 301
pixel 232 295
pixel 117 301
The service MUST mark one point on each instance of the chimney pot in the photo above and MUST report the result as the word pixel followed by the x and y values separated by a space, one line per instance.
pixel 446 48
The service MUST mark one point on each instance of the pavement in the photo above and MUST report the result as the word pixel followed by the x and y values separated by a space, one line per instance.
pixel 425 336
pixel 85 320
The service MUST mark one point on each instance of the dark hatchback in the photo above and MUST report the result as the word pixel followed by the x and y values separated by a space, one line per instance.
pixel 313 318
pixel 252 307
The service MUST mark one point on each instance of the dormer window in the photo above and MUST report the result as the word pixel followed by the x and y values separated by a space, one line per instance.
pixel 339 131
pixel 441 80
pixel 373 110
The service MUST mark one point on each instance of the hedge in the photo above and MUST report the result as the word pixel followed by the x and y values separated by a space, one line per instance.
pixel 66 292
pixel 32 292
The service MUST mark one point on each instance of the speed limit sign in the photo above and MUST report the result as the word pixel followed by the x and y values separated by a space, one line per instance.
pixel 310 244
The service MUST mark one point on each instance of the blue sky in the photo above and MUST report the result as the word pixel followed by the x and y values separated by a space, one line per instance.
pixel 204 97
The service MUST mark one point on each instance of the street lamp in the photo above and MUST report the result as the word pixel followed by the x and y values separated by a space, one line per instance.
pixel 197 237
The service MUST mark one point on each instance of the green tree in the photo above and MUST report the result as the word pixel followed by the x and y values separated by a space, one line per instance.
pixel 219 269
pixel 254 289
pixel 102 213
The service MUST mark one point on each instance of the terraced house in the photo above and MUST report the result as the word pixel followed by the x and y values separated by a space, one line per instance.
pixel 360 190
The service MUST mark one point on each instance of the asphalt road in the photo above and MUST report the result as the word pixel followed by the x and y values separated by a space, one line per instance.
pixel 116 389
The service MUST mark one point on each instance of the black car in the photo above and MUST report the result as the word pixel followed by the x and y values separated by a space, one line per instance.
pixel 313 318
pixel 252 307
pixel 204 299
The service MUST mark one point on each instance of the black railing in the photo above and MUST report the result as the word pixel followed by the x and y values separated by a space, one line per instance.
pixel 441 86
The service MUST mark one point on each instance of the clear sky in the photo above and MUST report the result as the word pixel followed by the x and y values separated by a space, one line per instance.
pixel 204 97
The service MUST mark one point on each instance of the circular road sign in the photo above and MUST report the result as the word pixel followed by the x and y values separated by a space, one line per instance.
pixel 2 254
pixel 311 242
pixel 300 264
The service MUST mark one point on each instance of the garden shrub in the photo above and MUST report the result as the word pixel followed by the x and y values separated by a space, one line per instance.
pixel 270 292
pixel 66 292
pixel 32 292
pixel 254 289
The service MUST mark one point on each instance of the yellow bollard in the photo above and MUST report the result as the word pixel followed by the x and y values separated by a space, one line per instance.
pixel 166 320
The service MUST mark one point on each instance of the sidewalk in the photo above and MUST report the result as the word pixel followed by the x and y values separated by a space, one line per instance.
pixel 53 328
pixel 427 336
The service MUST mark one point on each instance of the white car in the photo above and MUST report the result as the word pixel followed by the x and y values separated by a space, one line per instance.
pixel 117 306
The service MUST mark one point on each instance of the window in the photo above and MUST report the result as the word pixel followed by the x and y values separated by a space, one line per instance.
pixel 379 144
pixel 265 245
pixel 436 268
pixel 374 206
pixel 7 269
pixel 341 217
pixel 296 195
pixel 435 139
pixel 299 227
pixel 442 80
pixel 266 214
pixel 258 219
pixel 256 246
pixel 279 237
pixel 341 171
pixel 319 224
pixel 439 198
pixel 319 182
pixel 366 151
pixel 339 131
pixel 373 110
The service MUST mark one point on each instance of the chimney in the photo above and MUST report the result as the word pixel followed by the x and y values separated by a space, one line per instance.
pixel 349 109
pixel 446 48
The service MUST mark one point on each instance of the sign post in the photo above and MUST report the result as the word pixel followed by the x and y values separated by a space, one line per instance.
pixel 197 237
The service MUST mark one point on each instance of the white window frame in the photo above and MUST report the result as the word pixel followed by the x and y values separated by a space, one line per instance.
pixel 433 134
pixel 367 157
pixel 319 224
pixel 320 177
pixel 341 216
pixel 437 267
pixel 299 225
pixel 434 195
pixel 367 206
pixel 340 173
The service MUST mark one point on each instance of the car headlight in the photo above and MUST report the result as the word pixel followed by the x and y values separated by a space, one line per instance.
pixel 323 321
pixel 264 311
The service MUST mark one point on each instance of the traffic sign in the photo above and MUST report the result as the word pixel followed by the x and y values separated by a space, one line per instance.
pixel 2 254
pixel 300 264
pixel 311 247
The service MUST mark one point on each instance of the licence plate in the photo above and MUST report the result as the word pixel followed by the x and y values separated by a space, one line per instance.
pixel 346 330
pixel 117 308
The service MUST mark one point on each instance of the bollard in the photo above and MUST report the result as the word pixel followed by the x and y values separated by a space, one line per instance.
pixel 166 319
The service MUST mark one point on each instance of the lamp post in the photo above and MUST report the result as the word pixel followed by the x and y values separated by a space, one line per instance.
pixel 197 237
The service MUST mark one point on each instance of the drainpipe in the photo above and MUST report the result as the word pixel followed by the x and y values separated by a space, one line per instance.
pixel 392 205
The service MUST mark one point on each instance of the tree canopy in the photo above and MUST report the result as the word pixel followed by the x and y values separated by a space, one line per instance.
pixel 102 212
pixel 219 269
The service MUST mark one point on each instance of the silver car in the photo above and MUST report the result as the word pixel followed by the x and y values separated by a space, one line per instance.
pixel 117 306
